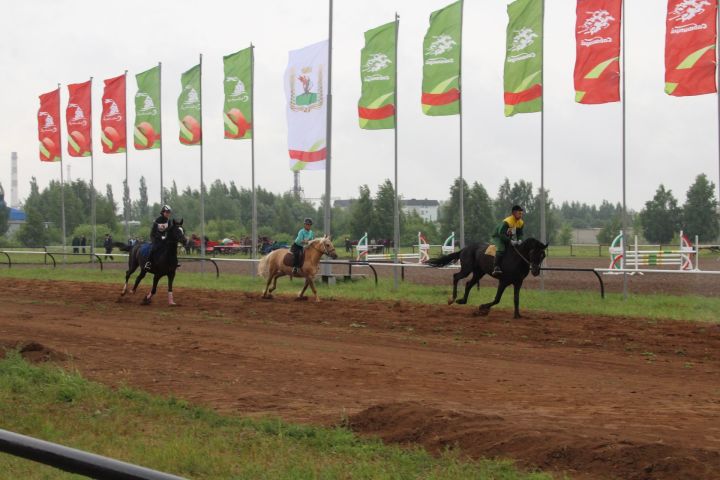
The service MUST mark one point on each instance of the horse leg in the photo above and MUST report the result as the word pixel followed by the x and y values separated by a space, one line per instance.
pixel 475 279
pixel 516 298
pixel 148 298
pixel 275 278
pixel 301 295
pixel 312 286
pixel 456 278
pixel 171 277
pixel 484 309
pixel 138 280
pixel 266 293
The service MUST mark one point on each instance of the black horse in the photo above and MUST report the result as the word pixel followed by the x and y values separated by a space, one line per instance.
pixel 165 262
pixel 517 263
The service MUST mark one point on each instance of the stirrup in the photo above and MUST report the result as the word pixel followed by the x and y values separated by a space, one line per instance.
pixel 496 272
pixel 295 270
pixel 148 266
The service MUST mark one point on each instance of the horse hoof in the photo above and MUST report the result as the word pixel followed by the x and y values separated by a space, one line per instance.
pixel 461 301
pixel 146 301
pixel 450 301
pixel 172 304
pixel 482 312
pixel 301 299
pixel 267 297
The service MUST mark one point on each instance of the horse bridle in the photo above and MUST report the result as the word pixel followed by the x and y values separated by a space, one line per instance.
pixel 323 251
pixel 523 257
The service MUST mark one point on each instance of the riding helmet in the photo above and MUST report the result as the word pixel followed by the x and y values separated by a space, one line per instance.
pixel 166 208
pixel 308 221
pixel 517 208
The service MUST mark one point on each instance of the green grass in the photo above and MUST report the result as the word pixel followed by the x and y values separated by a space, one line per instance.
pixel 173 436
pixel 655 306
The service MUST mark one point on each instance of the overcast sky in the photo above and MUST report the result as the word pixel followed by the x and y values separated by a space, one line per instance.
pixel 43 42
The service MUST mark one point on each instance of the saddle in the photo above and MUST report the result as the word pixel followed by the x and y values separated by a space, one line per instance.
pixel 288 259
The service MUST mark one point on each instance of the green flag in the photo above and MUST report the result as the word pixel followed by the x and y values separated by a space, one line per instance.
pixel 147 110
pixel 189 104
pixel 441 65
pixel 376 107
pixel 524 62
pixel 237 112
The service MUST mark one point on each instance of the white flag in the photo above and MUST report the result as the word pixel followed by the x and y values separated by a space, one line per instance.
pixel 306 84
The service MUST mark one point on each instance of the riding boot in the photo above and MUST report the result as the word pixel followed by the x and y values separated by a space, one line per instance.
pixel 497 271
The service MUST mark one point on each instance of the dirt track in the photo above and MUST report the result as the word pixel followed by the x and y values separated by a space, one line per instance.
pixel 594 397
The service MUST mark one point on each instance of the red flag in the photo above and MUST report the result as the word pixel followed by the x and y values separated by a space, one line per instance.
pixel 49 126
pixel 690 37
pixel 113 120
pixel 77 115
pixel 597 61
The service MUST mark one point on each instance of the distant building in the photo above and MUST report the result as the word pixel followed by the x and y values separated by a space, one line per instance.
pixel 344 203
pixel 16 219
pixel 427 209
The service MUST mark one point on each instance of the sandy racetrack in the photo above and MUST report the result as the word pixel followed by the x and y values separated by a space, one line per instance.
pixel 595 397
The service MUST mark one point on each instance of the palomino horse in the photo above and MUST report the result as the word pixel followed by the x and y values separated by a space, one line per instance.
pixel 517 263
pixel 165 261
pixel 278 263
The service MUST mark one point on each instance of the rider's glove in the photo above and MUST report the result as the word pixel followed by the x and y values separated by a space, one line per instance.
pixel 515 243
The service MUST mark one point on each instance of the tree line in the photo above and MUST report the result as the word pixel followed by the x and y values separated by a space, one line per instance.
pixel 228 213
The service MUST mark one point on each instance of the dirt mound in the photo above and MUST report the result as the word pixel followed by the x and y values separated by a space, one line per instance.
pixel 33 352
pixel 487 435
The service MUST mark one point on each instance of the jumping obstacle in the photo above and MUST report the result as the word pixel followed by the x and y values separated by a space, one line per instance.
pixel 636 258
pixel 363 254
pixel 449 246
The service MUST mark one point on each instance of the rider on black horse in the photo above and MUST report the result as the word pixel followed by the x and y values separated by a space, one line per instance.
pixel 157 234
pixel 510 231
pixel 303 238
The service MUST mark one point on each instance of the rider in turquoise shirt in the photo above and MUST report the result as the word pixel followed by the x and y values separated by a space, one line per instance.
pixel 303 238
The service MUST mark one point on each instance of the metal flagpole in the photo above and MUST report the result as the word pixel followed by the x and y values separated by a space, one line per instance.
pixel 202 184
pixel 462 182
pixel 543 226
pixel 62 181
pixel 327 269
pixel 252 155
pixel 92 183
pixel 624 197
pixel 127 148
pixel 396 235
pixel 162 194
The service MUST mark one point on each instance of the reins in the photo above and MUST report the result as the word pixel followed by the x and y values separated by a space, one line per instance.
pixel 521 255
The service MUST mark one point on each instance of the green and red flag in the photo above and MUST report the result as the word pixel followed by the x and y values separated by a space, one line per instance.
pixel 189 104
pixel 441 62
pixel 523 60
pixel 690 39
pixel 78 118
pixel 49 126
pixel 146 133
pixel 376 107
pixel 597 46
pixel 113 122
pixel 237 112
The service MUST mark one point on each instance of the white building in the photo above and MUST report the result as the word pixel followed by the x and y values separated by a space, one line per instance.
pixel 427 209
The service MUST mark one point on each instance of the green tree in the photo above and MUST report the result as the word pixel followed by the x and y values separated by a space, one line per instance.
pixel 479 215
pixel 35 231
pixel 699 215
pixel 384 211
pixel 142 208
pixel 565 234
pixel 127 204
pixel 361 214
pixel 610 230
pixel 660 217
pixel 450 212
pixel 4 212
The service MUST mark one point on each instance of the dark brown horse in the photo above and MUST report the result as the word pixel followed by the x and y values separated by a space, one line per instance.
pixel 517 263
pixel 164 264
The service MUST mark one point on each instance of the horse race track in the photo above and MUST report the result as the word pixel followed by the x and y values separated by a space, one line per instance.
pixel 594 397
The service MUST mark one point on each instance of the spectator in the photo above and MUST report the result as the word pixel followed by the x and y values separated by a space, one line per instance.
pixel 83 243
pixel 348 245
pixel 108 244
pixel 76 244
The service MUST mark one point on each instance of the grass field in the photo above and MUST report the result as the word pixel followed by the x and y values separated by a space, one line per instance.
pixel 656 306
pixel 172 436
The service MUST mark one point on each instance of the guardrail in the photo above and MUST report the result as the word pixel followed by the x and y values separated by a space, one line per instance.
pixel 76 461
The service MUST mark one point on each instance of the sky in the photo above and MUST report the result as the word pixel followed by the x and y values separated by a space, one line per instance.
pixel 46 42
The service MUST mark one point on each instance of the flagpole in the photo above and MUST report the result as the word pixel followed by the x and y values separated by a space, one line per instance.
pixel 543 226
pixel 92 182
pixel 462 182
pixel 252 156
pixel 162 195
pixel 62 180
pixel 396 235
pixel 127 148
pixel 624 197
pixel 327 269
pixel 202 184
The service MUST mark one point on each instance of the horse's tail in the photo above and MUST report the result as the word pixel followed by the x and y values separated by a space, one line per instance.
pixel 263 268
pixel 444 260
pixel 122 247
